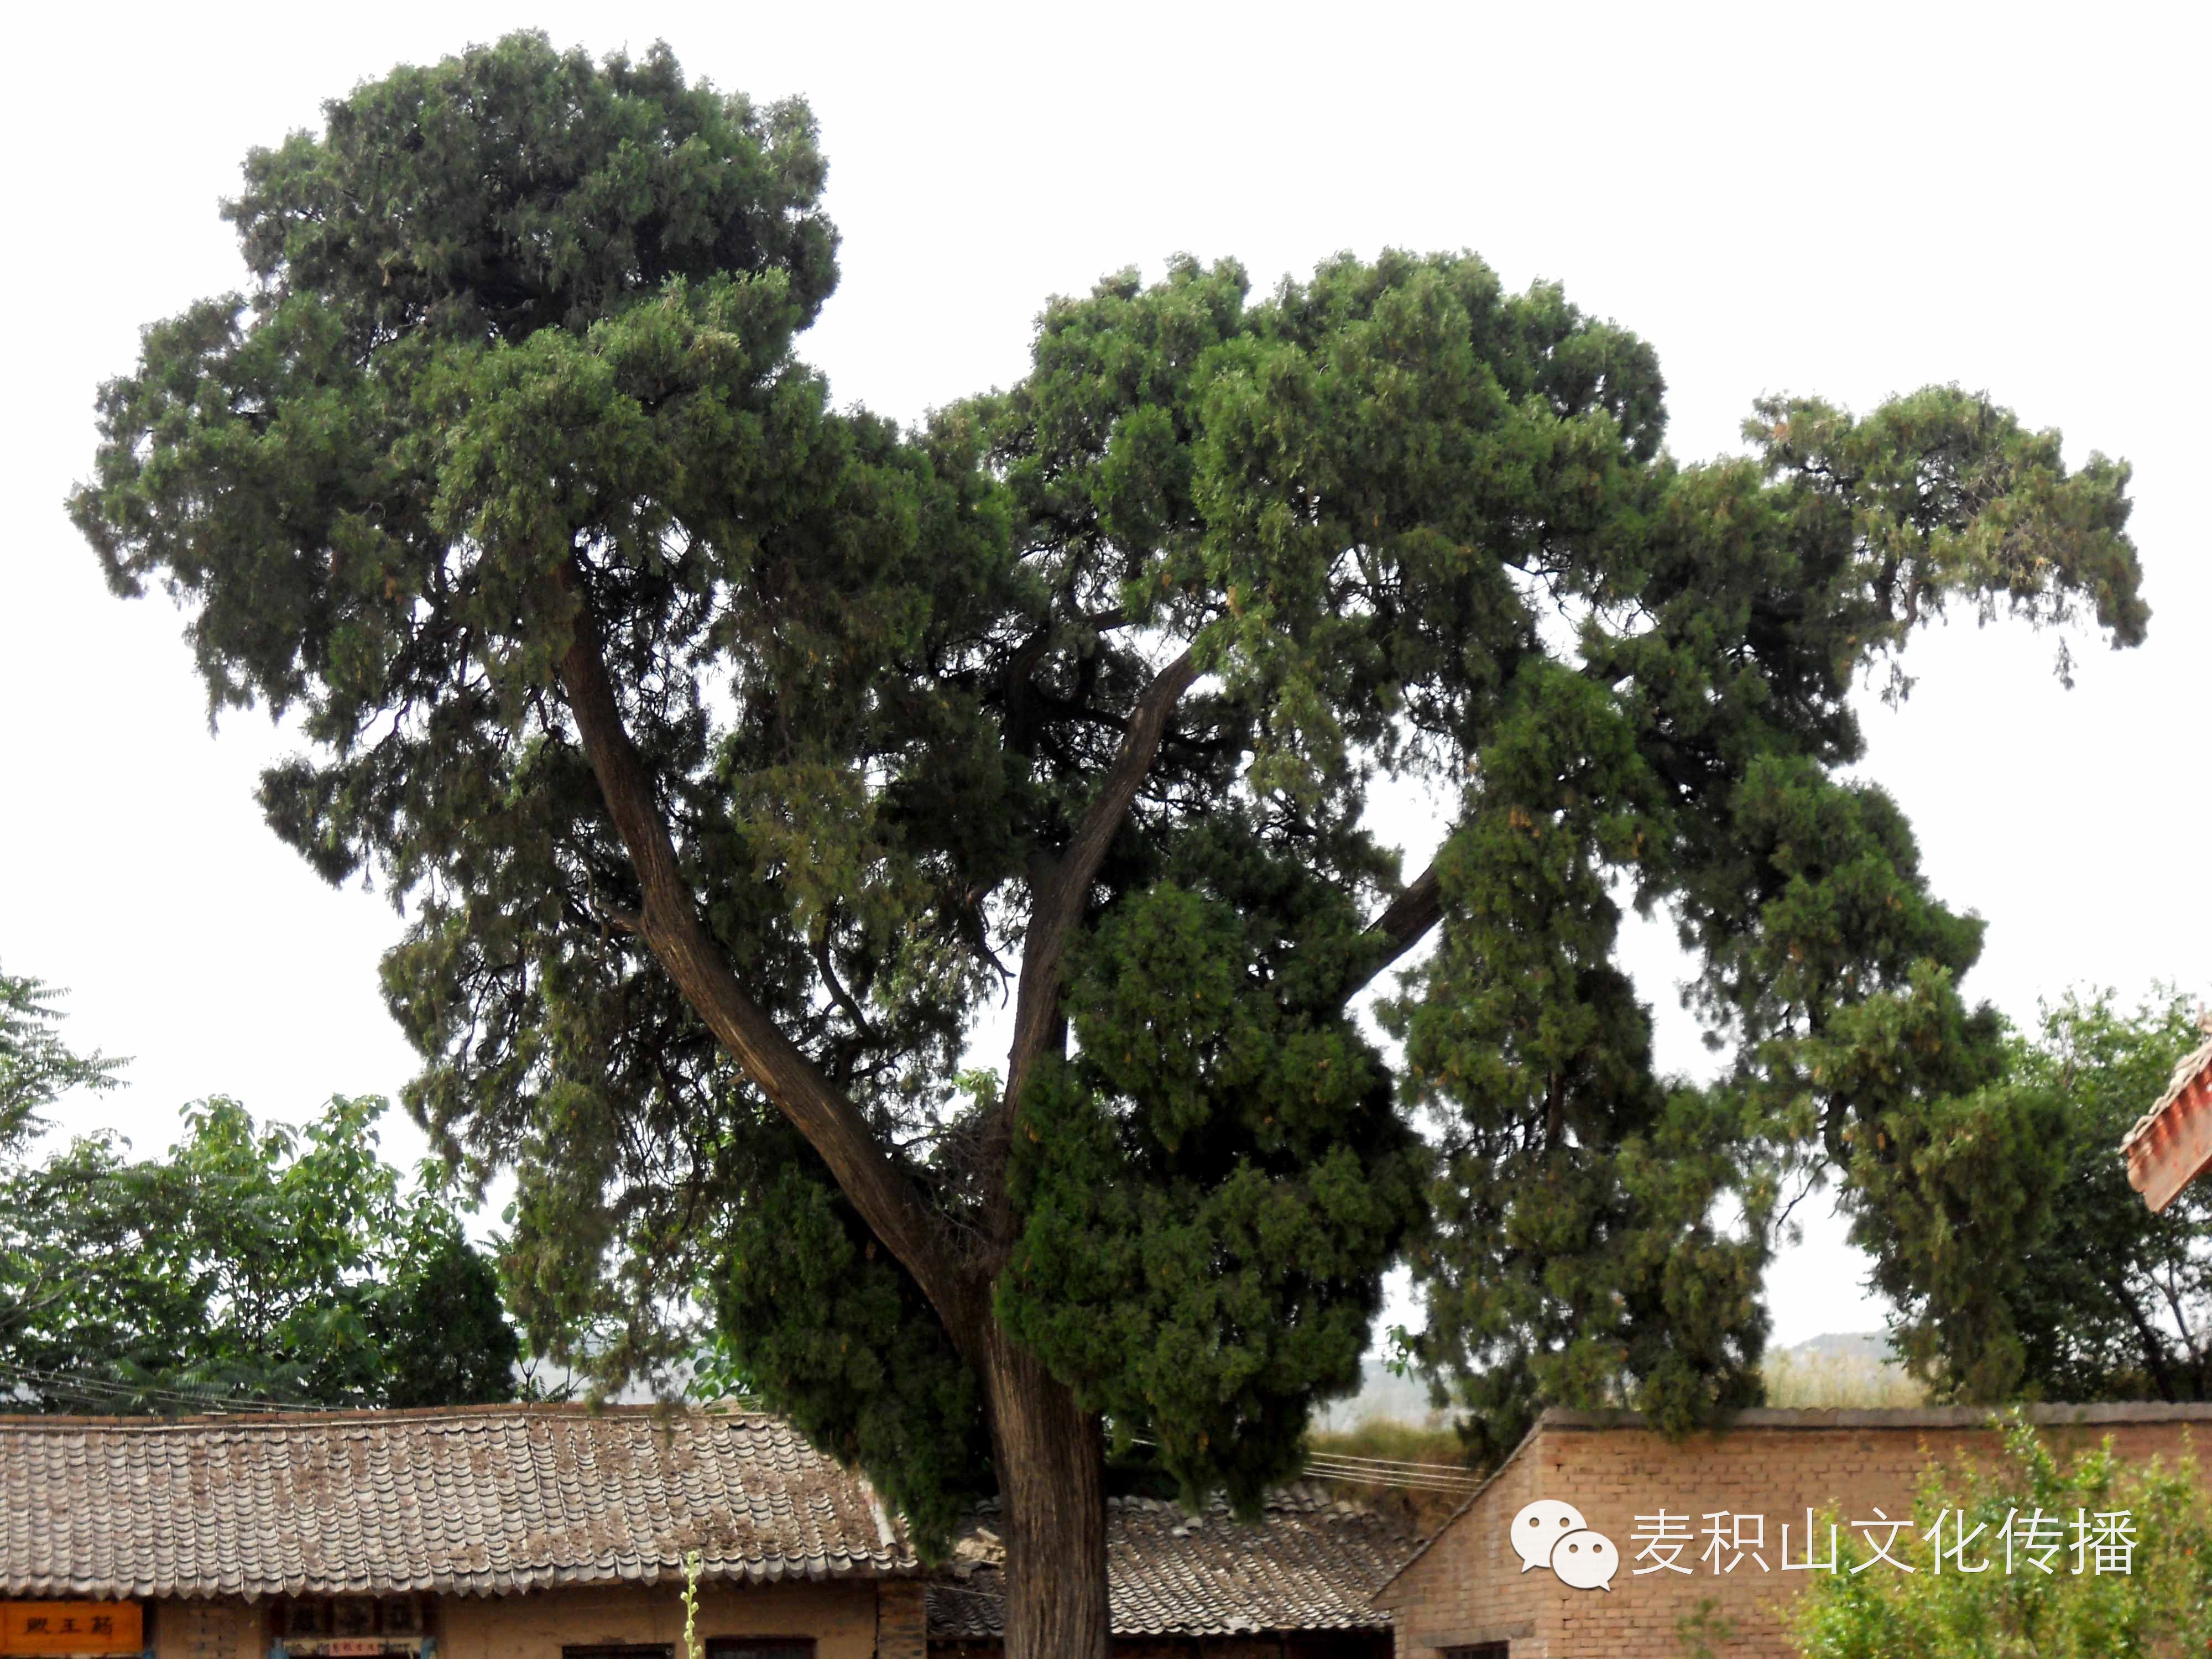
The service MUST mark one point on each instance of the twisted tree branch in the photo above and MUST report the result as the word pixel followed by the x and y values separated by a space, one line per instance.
pixel 1058 889
pixel 1404 923
pixel 669 923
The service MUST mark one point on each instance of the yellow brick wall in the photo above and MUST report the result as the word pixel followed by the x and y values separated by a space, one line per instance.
pixel 1468 1588
pixel 840 1614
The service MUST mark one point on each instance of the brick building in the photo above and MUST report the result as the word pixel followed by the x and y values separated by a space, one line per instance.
pixel 1466 1594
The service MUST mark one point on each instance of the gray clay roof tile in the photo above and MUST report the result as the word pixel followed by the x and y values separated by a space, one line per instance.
pixel 485 1500
pixel 1310 1563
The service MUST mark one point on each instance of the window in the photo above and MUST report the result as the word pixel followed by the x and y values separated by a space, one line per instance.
pixel 1480 1650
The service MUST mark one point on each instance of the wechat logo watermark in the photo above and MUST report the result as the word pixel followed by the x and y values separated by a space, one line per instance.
pixel 1550 1533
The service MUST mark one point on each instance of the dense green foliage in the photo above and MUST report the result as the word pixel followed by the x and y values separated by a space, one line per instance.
pixel 1690 758
pixel 2159 1609
pixel 2004 1231
pixel 736 756
pixel 36 1068
pixel 247 1264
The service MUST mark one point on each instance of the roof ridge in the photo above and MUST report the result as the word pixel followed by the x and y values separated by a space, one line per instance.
pixel 1301 1567
pixel 2052 1414
pixel 2190 1067
pixel 394 1414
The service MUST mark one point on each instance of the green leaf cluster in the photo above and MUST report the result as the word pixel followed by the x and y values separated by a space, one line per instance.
pixel 2004 1232
pixel 2159 1607
pixel 809 1309
pixel 1601 1233
pixel 1210 1183
pixel 36 1067
pixel 250 1263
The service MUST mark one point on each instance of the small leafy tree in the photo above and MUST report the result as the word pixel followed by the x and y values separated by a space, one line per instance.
pixel 250 1263
pixel 735 755
pixel 2005 1233
pixel 2160 1607
pixel 36 1068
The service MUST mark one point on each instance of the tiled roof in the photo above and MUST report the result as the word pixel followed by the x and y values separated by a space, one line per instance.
pixel 2172 1143
pixel 1311 1563
pixel 478 1500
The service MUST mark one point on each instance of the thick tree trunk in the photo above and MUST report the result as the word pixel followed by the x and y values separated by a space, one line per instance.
pixel 1052 1502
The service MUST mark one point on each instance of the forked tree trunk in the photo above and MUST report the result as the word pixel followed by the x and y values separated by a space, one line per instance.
pixel 1052 1505
pixel 1051 1461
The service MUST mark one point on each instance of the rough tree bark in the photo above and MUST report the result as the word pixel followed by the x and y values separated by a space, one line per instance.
pixel 1052 1505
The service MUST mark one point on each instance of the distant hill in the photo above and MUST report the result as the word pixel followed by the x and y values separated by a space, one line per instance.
pixel 1870 1346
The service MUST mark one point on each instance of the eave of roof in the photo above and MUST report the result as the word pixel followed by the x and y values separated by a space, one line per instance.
pixel 2171 1144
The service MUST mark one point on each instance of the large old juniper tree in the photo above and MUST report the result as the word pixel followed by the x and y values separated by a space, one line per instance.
pixel 738 759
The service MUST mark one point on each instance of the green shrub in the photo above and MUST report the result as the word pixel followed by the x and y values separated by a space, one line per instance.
pixel 2158 1606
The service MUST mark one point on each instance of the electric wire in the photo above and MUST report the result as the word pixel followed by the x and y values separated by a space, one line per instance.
pixel 95 1389
pixel 1403 1474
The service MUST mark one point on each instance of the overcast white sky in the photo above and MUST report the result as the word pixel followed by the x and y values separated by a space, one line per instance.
pixel 1850 201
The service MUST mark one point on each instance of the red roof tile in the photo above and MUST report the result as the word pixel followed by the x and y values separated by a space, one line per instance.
pixel 2171 1144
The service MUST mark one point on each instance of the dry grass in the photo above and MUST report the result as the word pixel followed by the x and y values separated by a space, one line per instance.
pixel 1859 1380
pixel 1424 1510
pixel 1385 1436
pixel 1840 1381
